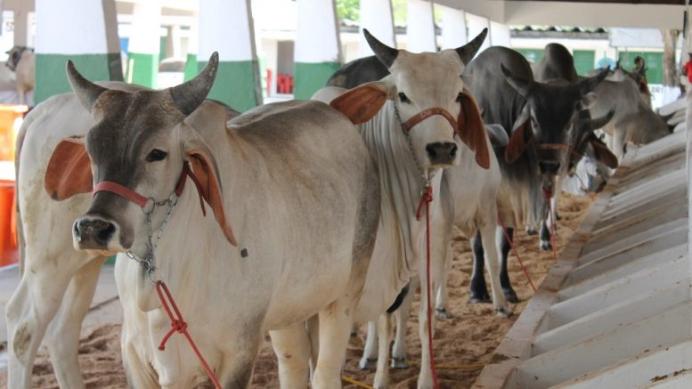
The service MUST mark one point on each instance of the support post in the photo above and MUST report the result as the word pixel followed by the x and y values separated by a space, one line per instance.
pixel 453 28
pixel 88 37
pixel 377 17
pixel 317 50
pixel 226 26
pixel 420 30
pixel 145 42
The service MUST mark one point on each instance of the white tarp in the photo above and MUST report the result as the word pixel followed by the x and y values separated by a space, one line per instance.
pixel 636 37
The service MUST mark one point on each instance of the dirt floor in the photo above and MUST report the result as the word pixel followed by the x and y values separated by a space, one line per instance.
pixel 463 344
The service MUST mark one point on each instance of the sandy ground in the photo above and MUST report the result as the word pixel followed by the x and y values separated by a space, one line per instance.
pixel 462 344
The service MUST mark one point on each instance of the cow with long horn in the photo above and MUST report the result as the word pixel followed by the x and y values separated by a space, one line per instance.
pixel 255 224
pixel 429 124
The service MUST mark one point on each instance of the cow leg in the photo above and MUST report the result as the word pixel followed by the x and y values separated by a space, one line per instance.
pixel 370 350
pixel 335 329
pixel 63 333
pixel 29 311
pixel 140 373
pixel 619 143
pixel 505 246
pixel 236 369
pixel 381 380
pixel 545 244
pixel 292 348
pixel 487 232
pixel 401 315
pixel 440 268
pixel 479 291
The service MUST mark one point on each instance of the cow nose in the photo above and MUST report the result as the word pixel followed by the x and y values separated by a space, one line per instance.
pixel 550 167
pixel 93 232
pixel 441 153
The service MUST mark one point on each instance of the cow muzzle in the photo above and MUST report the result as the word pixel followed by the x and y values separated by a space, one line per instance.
pixel 441 153
pixel 92 232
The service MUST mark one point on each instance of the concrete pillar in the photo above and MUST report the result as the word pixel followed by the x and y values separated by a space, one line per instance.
pixel 226 26
pixel 420 28
pixel 191 66
pixel 21 28
pixel 377 17
pixel 499 35
pixel 84 31
pixel 145 41
pixel 453 28
pixel 317 50
pixel 476 24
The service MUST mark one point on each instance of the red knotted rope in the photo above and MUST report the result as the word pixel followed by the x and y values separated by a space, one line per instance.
pixel 179 325
pixel 425 200
pixel 516 254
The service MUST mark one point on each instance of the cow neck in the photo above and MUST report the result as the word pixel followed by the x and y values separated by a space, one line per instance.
pixel 401 181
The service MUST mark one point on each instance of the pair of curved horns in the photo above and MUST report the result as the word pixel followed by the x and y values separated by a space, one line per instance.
pixel 186 97
pixel 387 54
pixel 523 86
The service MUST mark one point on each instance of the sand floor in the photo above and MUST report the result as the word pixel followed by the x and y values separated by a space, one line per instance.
pixel 462 344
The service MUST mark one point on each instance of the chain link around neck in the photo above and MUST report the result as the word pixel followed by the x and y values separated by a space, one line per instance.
pixel 148 263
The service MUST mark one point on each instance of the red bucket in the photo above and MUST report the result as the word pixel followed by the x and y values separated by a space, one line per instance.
pixel 8 224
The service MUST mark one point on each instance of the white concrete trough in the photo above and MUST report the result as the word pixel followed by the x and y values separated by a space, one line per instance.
pixel 615 311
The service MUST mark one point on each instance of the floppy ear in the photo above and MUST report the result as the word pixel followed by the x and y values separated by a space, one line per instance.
pixel 603 153
pixel 69 170
pixel 361 103
pixel 520 137
pixel 206 174
pixel 471 130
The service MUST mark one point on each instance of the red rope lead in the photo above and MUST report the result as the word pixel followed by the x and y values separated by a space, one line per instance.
pixel 179 325
pixel 425 200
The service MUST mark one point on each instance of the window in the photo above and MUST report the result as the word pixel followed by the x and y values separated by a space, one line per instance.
pixel 654 64
pixel 584 61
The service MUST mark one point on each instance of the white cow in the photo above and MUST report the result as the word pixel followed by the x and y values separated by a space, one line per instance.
pixel 407 155
pixel 302 197
pixel 22 62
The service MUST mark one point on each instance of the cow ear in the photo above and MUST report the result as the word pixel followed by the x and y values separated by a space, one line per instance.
pixel 602 153
pixel 69 170
pixel 206 173
pixel 519 137
pixel 361 103
pixel 471 130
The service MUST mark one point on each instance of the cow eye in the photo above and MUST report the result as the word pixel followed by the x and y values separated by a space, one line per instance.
pixel 404 98
pixel 156 155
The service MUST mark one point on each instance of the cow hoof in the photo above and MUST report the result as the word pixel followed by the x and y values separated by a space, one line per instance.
pixel 531 231
pixel 479 296
pixel 399 363
pixel 511 296
pixel 442 314
pixel 557 216
pixel 546 246
pixel 367 363
pixel 504 312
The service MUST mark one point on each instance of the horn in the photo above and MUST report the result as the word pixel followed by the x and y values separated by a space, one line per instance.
pixel 588 84
pixel 469 50
pixel 597 123
pixel 86 91
pixel 189 95
pixel 521 85
pixel 384 53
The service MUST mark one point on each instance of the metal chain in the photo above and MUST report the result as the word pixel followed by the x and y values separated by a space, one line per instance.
pixel 148 262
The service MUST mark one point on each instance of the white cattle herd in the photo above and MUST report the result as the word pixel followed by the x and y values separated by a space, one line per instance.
pixel 314 212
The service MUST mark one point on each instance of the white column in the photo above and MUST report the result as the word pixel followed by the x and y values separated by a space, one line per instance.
pixel 87 37
pixel 226 26
pixel 476 24
pixel 317 50
pixel 145 41
pixel 377 17
pixel 453 28
pixel 420 29
pixel 21 27
pixel 499 34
